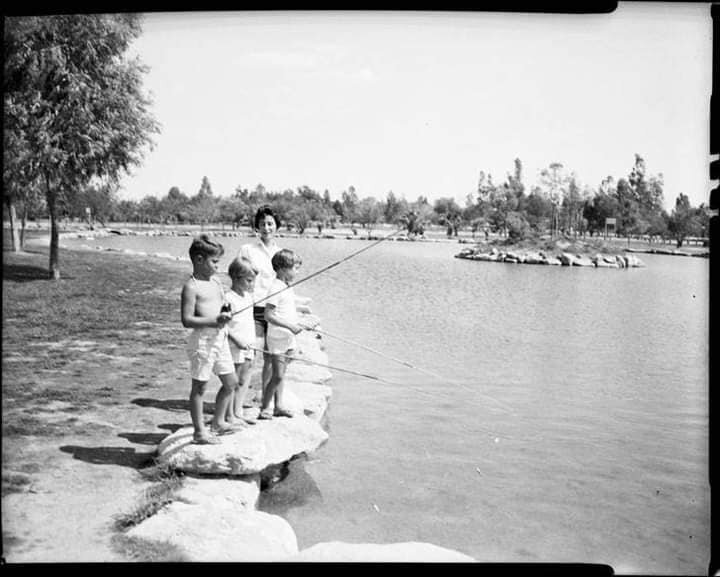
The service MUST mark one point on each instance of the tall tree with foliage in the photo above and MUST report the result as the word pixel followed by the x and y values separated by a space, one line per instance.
pixel 75 103
pixel 686 220
pixel 554 180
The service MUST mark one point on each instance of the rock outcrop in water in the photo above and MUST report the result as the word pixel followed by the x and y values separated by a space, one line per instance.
pixel 563 258
pixel 214 516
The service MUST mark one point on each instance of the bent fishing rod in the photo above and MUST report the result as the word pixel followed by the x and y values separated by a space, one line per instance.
pixel 322 270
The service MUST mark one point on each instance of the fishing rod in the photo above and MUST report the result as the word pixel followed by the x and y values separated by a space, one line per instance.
pixel 405 363
pixel 293 358
pixel 372 377
pixel 322 270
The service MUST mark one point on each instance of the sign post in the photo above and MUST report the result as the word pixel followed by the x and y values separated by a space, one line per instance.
pixel 609 222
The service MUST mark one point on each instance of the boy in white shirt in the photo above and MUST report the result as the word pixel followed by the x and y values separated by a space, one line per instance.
pixel 241 333
pixel 283 324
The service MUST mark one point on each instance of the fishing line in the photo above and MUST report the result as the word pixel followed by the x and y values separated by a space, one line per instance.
pixel 374 378
pixel 322 270
pixel 405 363
pixel 357 374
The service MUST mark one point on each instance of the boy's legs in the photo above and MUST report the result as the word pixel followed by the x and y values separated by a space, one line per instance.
pixel 277 372
pixel 197 391
pixel 243 372
pixel 267 370
pixel 223 400
pixel 279 364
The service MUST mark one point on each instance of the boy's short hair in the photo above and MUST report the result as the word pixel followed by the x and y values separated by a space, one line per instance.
pixel 241 267
pixel 204 246
pixel 262 212
pixel 284 258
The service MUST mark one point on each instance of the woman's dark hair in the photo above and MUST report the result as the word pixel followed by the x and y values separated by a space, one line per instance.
pixel 262 212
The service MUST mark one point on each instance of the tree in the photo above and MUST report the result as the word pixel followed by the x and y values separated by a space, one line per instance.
pixel 555 180
pixel 450 214
pixel 685 220
pixel 393 207
pixel 628 207
pixel 204 206
pixel 74 104
pixel 349 205
pixel 537 208
pixel 602 206
pixel 369 212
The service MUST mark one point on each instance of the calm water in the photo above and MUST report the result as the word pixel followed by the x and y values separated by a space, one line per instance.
pixel 570 425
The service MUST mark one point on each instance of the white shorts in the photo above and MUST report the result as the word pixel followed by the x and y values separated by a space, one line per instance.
pixel 239 356
pixel 280 340
pixel 209 352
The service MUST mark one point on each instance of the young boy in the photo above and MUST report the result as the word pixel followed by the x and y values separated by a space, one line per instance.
pixel 201 307
pixel 241 332
pixel 283 324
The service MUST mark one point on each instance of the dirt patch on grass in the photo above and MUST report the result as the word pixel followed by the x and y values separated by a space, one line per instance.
pixel 93 380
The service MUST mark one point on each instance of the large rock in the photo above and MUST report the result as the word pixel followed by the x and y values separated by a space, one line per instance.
pixel 245 452
pixel 214 532
pixel 410 552
pixel 239 493
pixel 566 259
pixel 314 397
pixel 582 261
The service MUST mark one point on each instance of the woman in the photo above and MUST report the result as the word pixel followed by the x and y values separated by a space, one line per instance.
pixel 259 253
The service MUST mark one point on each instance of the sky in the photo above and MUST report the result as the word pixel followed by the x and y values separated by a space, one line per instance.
pixel 420 102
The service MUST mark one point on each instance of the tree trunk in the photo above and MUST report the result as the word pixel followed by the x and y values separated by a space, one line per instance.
pixel 14 238
pixel 24 224
pixel 54 236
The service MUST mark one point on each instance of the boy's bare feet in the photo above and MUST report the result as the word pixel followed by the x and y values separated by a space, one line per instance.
pixel 244 419
pixel 205 439
pixel 226 428
pixel 280 412
pixel 265 415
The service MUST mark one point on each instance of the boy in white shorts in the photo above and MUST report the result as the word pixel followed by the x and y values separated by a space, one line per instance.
pixel 241 332
pixel 283 324
pixel 201 309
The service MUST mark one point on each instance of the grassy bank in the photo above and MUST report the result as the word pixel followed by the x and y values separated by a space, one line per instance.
pixel 94 377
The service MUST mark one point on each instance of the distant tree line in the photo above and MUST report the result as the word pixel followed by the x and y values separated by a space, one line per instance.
pixel 76 119
pixel 557 205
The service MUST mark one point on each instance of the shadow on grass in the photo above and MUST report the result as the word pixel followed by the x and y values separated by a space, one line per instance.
pixel 171 404
pixel 172 427
pixel 144 438
pixel 111 456
pixel 24 273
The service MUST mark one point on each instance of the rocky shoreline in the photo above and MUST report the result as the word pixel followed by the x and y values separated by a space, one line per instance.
pixel 562 259
pixel 214 516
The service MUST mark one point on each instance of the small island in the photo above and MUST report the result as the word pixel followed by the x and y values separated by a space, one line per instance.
pixel 560 252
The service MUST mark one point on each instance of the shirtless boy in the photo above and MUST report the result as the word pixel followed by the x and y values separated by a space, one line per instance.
pixel 202 302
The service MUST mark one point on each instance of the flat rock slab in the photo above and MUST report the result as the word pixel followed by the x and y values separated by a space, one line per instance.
pixel 214 532
pixel 245 452
pixel 410 552
pixel 314 398
pixel 238 493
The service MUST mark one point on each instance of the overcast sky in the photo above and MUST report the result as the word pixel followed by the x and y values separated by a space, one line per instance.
pixel 420 103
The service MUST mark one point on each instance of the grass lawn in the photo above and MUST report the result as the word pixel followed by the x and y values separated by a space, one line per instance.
pixel 101 332
pixel 95 375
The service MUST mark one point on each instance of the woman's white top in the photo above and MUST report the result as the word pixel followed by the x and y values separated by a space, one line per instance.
pixel 260 256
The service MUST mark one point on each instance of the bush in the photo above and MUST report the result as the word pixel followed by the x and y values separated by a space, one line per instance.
pixel 517 226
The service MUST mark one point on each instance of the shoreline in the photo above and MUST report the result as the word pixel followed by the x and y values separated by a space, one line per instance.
pixel 434 234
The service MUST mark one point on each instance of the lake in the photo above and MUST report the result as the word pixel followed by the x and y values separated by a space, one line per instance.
pixel 553 414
